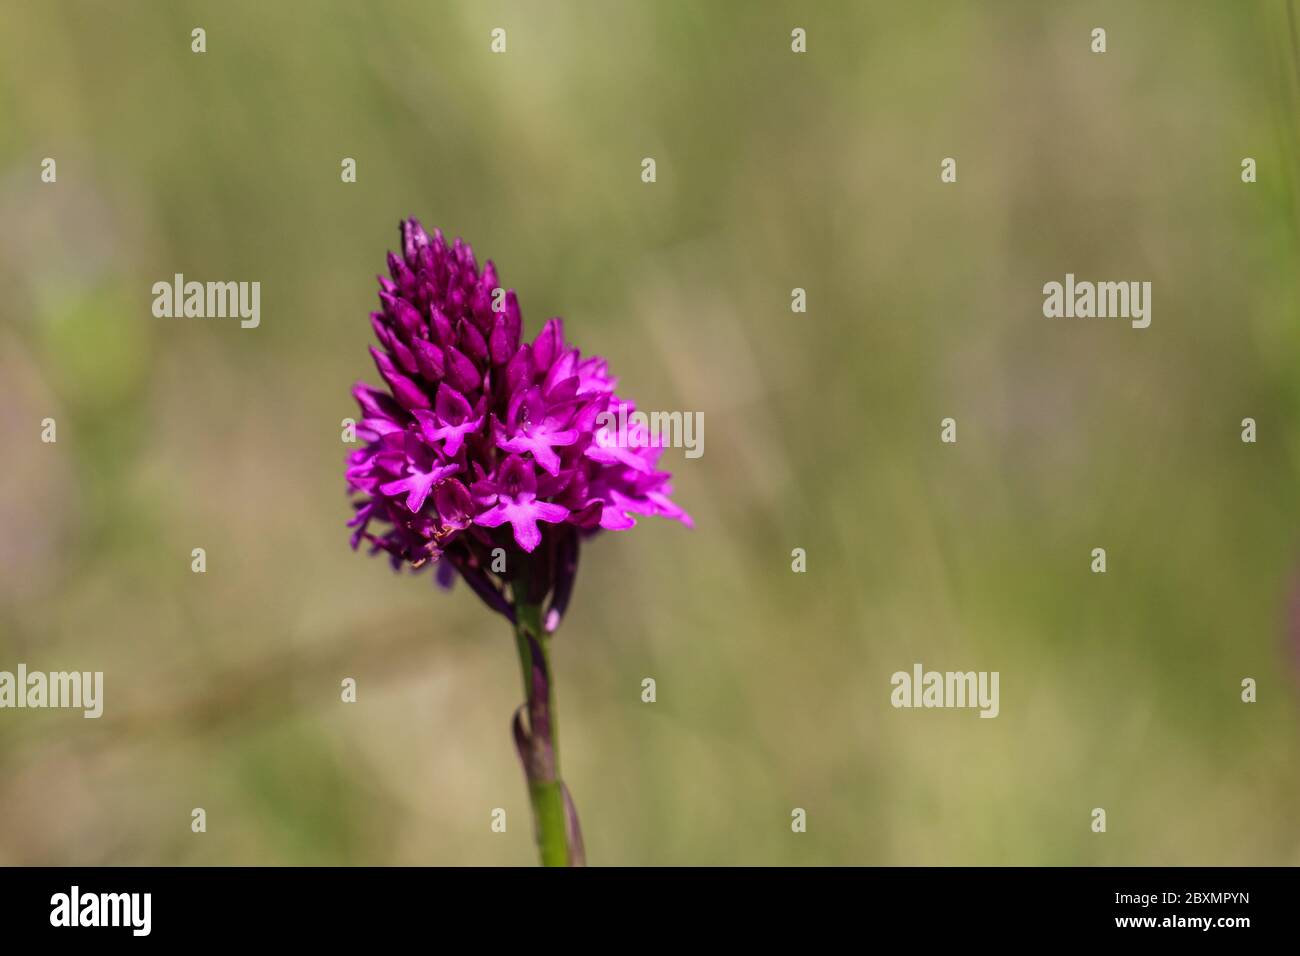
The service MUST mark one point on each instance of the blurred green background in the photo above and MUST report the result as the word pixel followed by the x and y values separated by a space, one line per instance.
pixel 775 171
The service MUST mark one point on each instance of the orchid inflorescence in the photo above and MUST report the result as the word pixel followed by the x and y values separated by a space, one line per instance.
pixel 490 458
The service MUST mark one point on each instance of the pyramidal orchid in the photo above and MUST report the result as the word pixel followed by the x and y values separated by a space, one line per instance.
pixel 490 458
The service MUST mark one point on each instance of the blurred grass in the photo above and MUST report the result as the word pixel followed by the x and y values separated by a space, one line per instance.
pixel 774 171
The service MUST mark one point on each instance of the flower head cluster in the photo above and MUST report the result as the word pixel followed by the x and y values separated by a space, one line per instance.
pixel 481 440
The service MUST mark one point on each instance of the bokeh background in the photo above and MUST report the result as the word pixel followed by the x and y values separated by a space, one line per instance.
pixel 775 171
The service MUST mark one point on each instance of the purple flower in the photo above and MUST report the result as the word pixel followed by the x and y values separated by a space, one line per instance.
pixel 513 497
pixel 452 420
pixel 481 440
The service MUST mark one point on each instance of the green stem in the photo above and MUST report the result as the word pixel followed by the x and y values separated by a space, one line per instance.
pixel 547 795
